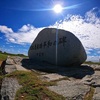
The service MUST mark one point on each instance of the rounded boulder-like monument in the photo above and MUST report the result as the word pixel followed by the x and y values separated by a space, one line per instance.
pixel 57 47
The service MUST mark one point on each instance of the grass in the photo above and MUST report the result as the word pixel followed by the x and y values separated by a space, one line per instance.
pixel 33 88
pixel 3 57
pixel 89 95
pixel 90 63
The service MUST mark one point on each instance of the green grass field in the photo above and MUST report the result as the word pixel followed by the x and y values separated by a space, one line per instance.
pixel 3 56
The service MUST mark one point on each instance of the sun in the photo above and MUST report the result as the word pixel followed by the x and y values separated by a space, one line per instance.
pixel 57 8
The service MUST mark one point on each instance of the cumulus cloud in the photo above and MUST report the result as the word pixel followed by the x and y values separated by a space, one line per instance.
pixel 5 29
pixel 26 28
pixel 93 16
pixel 93 58
pixel 26 34
pixel 86 28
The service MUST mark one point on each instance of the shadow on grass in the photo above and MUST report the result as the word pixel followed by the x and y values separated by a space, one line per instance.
pixel 71 71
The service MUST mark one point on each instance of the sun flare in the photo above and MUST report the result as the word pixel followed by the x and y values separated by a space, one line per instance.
pixel 57 8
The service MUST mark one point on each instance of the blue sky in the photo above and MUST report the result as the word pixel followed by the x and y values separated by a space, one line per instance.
pixel 22 20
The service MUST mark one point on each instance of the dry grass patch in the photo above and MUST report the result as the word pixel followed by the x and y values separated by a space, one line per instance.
pixel 90 94
pixel 33 88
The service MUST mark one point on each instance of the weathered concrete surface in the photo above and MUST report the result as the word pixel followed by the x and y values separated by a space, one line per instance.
pixel 97 94
pixel 9 88
pixel 9 61
pixel 17 60
pixel 19 67
pixel 80 78
pixel 79 83
pixel 97 68
pixel 9 68
pixel 10 85
pixel 52 77
pixel 72 90
pixel 13 64
pixel 69 50
pixel 92 80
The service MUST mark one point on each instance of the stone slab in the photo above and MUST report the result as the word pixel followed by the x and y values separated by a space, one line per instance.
pixel 9 88
pixel 9 68
pixel 9 61
pixel 72 90
pixel 19 67
pixel 51 77
pixel 93 80
pixel 97 94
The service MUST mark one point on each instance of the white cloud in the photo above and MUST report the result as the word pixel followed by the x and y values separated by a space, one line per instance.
pixel 5 29
pixel 86 28
pixel 93 58
pixel 93 15
pixel 26 28
pixel 26 34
